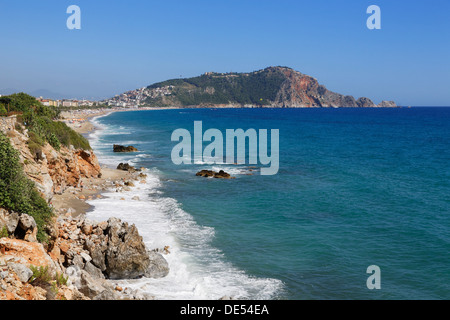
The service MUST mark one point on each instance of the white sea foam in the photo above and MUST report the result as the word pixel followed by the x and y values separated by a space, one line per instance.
pixel 197 269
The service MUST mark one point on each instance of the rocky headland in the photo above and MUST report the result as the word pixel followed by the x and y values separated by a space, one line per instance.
pixel 272 87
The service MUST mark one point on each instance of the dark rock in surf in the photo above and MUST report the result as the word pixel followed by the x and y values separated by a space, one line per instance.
pixel 126 167
pixel 213 174
pixel 118 148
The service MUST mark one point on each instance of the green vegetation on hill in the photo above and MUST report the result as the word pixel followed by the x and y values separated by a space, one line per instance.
pixel 17 192
pixel 257 88
pixel 38 119
pixel 3 111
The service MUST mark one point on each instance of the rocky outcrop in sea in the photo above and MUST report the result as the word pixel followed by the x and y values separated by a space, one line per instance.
pixel 213 174
pixel 118 148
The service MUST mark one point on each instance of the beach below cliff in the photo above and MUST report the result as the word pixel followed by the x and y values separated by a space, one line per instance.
pixel 82 258
pixel 73 200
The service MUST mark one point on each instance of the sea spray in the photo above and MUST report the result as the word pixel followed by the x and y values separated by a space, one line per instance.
pixel 197 269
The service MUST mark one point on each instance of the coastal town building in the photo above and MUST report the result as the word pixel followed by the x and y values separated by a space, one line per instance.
pixel 136 98
pixel 49 102
pixel 70 103
pixel 67 103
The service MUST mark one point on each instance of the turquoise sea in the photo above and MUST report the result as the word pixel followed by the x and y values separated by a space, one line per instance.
pixel 356 187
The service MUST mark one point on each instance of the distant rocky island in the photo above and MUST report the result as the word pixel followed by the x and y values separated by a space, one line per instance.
pixel 273 87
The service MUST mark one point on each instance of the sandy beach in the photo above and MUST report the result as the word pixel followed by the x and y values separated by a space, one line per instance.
pixel 73 200
pixel 79 120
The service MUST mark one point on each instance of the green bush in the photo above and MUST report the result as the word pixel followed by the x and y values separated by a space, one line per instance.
pixel 53 140
pixel 60 279
pixel 35 143
pixel 39 119
pixel 22 102
pixel 40 275
pixel 4 232
pixel 35 138
pixel 17 192
pixel 18 127
pixel 3 111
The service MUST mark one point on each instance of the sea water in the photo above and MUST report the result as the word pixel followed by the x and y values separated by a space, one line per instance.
pixel 355 188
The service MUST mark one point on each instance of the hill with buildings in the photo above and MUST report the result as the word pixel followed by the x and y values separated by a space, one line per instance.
pixel 276 87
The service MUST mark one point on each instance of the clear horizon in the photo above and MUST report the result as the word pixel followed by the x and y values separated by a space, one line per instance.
pixel 123 46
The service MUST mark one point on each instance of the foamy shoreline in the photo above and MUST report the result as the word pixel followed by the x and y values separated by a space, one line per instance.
pixel 112 182
pixel 74 199
pixel 198 270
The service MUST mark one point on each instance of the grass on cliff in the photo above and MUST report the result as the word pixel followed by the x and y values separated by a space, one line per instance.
pixel 39 120
pixel 17 192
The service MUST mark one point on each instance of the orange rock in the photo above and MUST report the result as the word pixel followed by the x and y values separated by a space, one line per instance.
pixel 87 229
pixel 10 295
pixel 32 253
pixel 64 246
pixel 28 292
pixel 55 254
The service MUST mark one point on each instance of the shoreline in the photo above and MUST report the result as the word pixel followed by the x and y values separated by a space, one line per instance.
pixel 73 201
pixel 114 180
pixel 78 248
pixel 79 120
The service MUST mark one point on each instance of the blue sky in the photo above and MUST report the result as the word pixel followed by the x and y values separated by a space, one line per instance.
pixel 125 45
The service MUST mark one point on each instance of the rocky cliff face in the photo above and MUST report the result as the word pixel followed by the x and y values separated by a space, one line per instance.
pixel 53 171
pixel 84 254
pixel 81 257
pixel 302 91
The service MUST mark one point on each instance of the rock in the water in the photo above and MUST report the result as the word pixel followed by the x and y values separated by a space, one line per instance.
pixel 126 167
pixel 365 103
pixel 213 174
pixel 119 148
pixel 121 253
pixel 126 256
pixel 387 104
pixel 159 268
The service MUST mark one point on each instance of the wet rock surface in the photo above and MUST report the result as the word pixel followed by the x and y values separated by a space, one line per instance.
pixel 213 174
